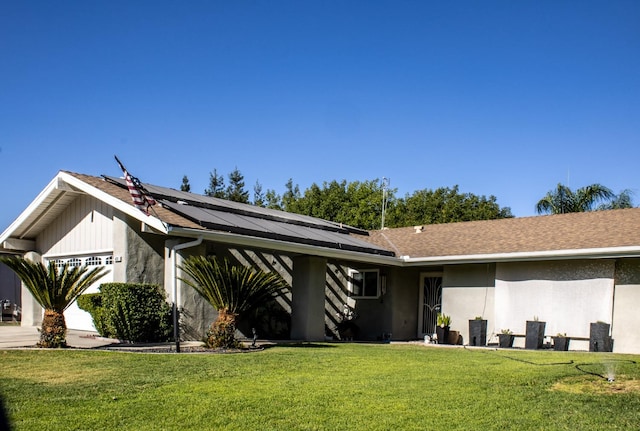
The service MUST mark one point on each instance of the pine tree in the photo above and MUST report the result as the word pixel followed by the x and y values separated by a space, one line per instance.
pixel 216 186
pixel 185 187
pixel 235 190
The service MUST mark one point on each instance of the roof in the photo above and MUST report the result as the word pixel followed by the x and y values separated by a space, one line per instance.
pixel 597 233
pixel 189 214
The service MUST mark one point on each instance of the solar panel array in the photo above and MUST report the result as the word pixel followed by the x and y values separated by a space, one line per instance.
pixel 250 220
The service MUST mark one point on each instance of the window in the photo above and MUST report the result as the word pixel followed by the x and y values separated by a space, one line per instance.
pixel 74 262
pixel 93 261
pixel 364 283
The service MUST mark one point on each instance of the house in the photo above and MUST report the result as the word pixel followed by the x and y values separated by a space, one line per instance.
pixel 568 270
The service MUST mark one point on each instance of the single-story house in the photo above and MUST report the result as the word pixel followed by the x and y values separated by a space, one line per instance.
pixel 568 270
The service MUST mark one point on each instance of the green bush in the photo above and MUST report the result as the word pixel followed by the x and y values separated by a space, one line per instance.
pixel 92 304
pixel 130 311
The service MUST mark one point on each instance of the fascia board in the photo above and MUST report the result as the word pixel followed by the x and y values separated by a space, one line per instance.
pixel 130 210
pixel 50 188
pixel 589 253
pixel 285 247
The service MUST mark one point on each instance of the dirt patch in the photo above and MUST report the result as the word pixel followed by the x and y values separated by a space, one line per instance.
pixel 598 386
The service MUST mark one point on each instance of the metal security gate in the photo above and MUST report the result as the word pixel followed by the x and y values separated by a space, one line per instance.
pixel 430 303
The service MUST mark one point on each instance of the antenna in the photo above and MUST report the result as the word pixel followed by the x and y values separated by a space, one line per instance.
pixel 385 199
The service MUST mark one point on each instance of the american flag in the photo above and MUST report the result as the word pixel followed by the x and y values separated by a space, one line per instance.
pixel 141 197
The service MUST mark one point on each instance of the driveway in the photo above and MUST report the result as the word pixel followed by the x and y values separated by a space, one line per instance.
pixel 28 336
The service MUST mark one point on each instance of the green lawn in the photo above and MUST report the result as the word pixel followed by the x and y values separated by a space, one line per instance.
pixel 320 387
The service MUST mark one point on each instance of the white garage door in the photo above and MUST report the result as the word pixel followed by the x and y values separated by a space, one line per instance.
pixel 74 316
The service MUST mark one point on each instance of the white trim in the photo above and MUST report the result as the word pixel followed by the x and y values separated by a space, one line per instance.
pixel 590 253
pixel 114 202
pixel 287 247
pixel 78 253
pixel 50 188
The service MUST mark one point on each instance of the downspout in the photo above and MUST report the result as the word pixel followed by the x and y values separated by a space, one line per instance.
pixel 174 281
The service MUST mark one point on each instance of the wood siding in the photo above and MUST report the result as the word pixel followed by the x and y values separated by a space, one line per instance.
pixel 85 227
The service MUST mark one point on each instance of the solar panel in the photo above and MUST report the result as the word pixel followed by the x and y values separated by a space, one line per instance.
pixel 244 219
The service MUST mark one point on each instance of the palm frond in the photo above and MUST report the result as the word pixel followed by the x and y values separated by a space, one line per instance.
pixel 235 288
pixel 52 287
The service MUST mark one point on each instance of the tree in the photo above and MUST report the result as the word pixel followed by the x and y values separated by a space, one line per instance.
pixel 443 205
pixel 357 204
pixel 235 190
pixel 232 290
pixel 54 289
pixel 622 200
pixel 564 200
pixel 272 200
pixel 258 195
pixel 290 197
pixel 216 186
pixel 185 187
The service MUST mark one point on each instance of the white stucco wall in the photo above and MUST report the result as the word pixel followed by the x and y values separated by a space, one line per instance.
pixel 567 295
pixel 626 318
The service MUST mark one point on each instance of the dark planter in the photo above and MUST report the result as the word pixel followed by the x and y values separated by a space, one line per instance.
pixel 477 332
pixel 561 343
pixel 599 338
pixel 505 340
pixel 534 335
pixel 443 334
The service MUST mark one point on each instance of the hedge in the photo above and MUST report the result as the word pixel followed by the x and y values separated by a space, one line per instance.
pixel 130 311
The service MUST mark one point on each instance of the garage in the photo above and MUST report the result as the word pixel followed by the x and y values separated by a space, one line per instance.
pixel 74 316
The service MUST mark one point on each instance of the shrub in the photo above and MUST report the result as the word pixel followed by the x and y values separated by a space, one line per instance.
pixel 130 311
pixel 92 304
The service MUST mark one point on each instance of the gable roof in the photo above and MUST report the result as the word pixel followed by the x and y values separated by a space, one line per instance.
pixel 614 233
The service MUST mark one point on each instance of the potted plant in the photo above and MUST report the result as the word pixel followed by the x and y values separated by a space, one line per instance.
pixel 442 330
pixel 561 342
pixel 535 334
pixel 505 338
pixel 478 331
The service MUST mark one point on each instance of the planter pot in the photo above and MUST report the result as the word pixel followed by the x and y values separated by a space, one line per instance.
pixel 505 340
pixel 599 338
pixel 443 334
pixel 534 335
pixel 477 332
pixel 561 343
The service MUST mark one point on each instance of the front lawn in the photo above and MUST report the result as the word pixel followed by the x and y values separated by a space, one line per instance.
pixel 321 387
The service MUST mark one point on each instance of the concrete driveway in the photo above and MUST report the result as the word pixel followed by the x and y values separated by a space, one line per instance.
pixel 28 336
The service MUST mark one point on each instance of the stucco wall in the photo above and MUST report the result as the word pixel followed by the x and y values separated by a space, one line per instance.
pixel 139 257
pixel 626 318
pixel 568 295
pixel 468 291
pixel 403 294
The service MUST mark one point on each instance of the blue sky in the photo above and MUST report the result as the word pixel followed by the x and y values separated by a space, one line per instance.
pixel 503 98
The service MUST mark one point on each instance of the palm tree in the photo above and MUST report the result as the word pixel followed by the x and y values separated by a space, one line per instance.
pixel 622 200
pixel 232 290
pixel 564 200
pixel 55 289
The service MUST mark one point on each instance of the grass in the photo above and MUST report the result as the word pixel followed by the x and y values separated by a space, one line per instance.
pixel 320 387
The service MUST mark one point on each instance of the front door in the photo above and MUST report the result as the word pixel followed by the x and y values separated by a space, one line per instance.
pixel 430 302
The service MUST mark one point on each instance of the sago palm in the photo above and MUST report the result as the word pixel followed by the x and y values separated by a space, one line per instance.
pixel 563 200
pixel 54 288
pixel 232 290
